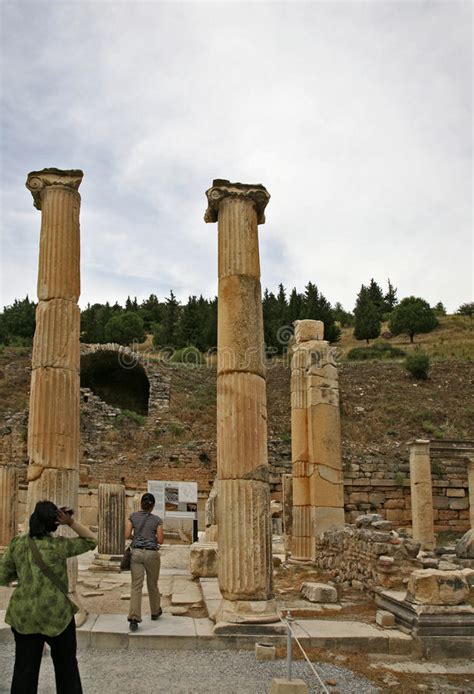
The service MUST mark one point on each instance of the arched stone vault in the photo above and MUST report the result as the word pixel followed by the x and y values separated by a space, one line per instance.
pixel 124 378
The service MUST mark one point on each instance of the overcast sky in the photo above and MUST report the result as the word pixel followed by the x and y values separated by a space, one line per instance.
pixel 356 116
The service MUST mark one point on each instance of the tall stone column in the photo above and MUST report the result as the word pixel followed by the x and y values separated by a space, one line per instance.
pixel 421 494
pixel 318 493
pixel 8 504
pixel 53 426
pixel 244 521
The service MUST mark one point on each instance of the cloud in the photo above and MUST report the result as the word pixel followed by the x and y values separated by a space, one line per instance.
pixel 356 116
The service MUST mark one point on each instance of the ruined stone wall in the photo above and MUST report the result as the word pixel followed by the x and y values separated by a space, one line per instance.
pixel 382 485
pixel 367 554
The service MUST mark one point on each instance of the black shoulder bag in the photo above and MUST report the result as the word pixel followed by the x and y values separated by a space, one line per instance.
pixel 126 560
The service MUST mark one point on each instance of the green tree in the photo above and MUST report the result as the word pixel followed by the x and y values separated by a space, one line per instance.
pixel 270 311
pixel 466 309
pixel 94 319
pixel 412 315
pixel 151 312
pixel 191 328
pixel 295 306
pixel 18 320
pixel 390 298
pixel 376 296
pixel 440 309
pixel 165 332
pixel 345 318
pixel 367 321
pixel 317 307
pixel 125 328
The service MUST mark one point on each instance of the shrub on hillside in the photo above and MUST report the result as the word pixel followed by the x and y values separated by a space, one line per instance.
pixel 377 351
pixel 188 355
pixel 418 365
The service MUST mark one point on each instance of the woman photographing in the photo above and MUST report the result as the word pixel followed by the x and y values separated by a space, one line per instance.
pixel 39 610
pixel 146 530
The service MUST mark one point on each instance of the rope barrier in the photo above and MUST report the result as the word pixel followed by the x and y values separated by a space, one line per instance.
pixel 287 619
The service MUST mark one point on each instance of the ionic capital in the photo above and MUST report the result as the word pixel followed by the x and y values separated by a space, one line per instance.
pixel 222 188
pixel 37 181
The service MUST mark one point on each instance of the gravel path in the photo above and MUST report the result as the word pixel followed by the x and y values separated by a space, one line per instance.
pixel 183 672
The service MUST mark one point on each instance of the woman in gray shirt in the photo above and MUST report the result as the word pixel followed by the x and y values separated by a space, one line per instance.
pixel 146 530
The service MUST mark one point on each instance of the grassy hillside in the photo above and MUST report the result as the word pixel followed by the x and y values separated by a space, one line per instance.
pixel 382 407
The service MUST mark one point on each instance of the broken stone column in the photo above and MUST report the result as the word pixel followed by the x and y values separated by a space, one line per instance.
pixel 470 482
pixel 421 494
pixel 8 504
pixel 244 523
pixel 111 534
pixel 53 426
pixel 324 440
pixel 318 485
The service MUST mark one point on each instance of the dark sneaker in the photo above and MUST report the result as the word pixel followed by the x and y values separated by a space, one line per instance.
pixel 133 625
pixel 156 616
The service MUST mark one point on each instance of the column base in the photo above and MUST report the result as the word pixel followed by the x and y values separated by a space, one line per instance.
pixel 106 562
pixel 303 561
pixel 247 611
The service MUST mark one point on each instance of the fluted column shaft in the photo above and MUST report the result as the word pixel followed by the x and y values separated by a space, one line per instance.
pixel 53 426
pixel 244 523
pixel 111 536
pixel 8 503
pixel 421 494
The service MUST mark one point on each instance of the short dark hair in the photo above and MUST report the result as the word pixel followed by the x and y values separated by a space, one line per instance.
pixel 44 519
pixel 147 501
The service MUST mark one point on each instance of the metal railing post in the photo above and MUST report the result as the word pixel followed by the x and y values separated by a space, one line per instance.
pixel 289 653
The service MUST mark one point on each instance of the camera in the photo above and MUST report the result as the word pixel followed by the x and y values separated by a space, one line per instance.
pixel 67 510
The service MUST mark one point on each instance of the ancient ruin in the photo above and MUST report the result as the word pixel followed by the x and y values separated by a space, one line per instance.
pixel 8 504
pixel 111 533
pixel 421 494
pixel 318 497
pixel 53 426
pixel 244 524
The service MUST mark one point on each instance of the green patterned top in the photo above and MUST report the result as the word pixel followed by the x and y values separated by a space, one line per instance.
pixel 37 606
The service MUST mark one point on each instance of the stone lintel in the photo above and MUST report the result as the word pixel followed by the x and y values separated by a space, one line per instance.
pixel 221 188
pixel 37 181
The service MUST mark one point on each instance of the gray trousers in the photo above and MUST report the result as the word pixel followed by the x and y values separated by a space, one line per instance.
pixel 144 561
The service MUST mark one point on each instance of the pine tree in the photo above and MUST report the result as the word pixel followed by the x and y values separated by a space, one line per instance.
pixel 390 298
pixel 165 332
pixel 317 307
pixel 376 296
pixel 366 316
pixel 295 306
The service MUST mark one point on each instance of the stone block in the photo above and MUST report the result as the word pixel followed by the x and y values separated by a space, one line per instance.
pixel 394 503
pixel 385 619
pixel 465 546
pixel 319 592
pixel 58 323
pixel 283 686
pixel 358 497
pixel 307 330
pixel 434 587
pixel 459 504
pixel 203 559
pixel 394 514
pixel 265 651
pixel 456 492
